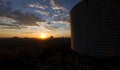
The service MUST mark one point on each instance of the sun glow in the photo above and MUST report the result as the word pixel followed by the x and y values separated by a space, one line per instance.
pixel 43 36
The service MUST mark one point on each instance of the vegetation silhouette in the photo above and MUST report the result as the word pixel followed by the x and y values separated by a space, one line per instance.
pixel 49 54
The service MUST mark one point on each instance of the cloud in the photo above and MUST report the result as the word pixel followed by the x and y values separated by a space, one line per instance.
pixel 27 19
pixel 8 21
pixel 50 27
pixel 61 17
pixel 56 6
pixel 13 27
pixel 57 24
pixel 42 12
pixel 1 1
pixel 41 23
pixel 37 6
pixel 15 18
pixel 44 0
pixel 60 22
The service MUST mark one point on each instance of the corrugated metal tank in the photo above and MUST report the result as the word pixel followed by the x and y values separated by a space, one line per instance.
pixel 95 28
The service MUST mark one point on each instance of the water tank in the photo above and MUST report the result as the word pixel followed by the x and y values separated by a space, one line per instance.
pixel 95 28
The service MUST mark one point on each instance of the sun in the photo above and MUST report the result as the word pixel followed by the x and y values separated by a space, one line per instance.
pixel 43 36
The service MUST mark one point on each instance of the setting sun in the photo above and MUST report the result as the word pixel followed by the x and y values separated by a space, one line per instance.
pixel 43 36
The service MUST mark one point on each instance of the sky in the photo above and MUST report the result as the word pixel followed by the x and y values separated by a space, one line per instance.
pixel 32 18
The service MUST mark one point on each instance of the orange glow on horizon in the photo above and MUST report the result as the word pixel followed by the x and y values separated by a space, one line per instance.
pixel 43 36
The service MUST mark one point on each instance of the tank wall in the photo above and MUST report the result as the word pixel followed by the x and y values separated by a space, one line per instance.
pixel 95 28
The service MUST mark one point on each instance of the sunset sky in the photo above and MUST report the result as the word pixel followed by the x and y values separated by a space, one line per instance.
pixel 32 18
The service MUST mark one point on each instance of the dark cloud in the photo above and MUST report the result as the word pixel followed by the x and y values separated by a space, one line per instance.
pixel 1 1
pixel 50 27
pixel 13 27
pixel 27 19
pixel 3 24
pixel 57 25
pixel 22 19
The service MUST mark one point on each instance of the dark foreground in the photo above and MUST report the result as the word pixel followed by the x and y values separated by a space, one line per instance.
pixel 51 54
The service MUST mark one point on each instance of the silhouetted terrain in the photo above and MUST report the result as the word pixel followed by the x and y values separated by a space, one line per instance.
pixel 32 54
pixel 50 54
